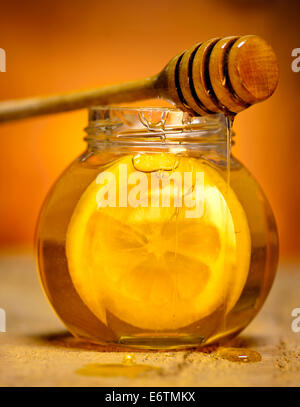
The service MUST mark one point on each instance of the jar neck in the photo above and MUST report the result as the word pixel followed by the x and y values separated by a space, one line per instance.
pixel 155 127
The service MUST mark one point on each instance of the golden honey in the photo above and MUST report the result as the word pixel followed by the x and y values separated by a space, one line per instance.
pixel 156 237
pixel 239 355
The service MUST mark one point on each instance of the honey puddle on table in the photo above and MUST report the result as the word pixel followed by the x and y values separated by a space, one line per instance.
pixel 240 355
pixel 128 368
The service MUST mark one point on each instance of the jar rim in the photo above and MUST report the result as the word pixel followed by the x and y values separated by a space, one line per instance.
pixel 122 123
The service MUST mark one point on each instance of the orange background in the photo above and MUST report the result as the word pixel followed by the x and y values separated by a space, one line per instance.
pixel 58 45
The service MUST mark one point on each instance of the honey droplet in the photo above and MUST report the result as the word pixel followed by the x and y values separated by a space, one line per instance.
pixel 155 162
pixel 241 355
pixel 112 370
pixel 128 360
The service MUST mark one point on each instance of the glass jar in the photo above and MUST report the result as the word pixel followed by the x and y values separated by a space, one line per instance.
pixel 156 237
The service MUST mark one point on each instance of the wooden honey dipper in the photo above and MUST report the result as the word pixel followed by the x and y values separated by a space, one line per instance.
pixel 220 75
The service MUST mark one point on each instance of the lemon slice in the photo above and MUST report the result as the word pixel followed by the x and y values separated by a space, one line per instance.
pixel 154 267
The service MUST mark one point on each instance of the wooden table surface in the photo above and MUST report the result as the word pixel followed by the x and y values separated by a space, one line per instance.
pixel 35 350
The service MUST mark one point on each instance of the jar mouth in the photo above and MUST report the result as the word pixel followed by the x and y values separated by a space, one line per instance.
pixel 117 124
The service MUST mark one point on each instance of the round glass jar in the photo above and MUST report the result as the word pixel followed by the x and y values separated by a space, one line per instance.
pixel 156 237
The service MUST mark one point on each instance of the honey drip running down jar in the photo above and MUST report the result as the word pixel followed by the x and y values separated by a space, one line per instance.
pixel 156 236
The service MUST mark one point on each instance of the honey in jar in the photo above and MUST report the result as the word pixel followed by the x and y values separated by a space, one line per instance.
pixel 156 236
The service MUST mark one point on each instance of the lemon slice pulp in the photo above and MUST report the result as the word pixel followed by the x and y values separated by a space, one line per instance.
pixel 154 267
